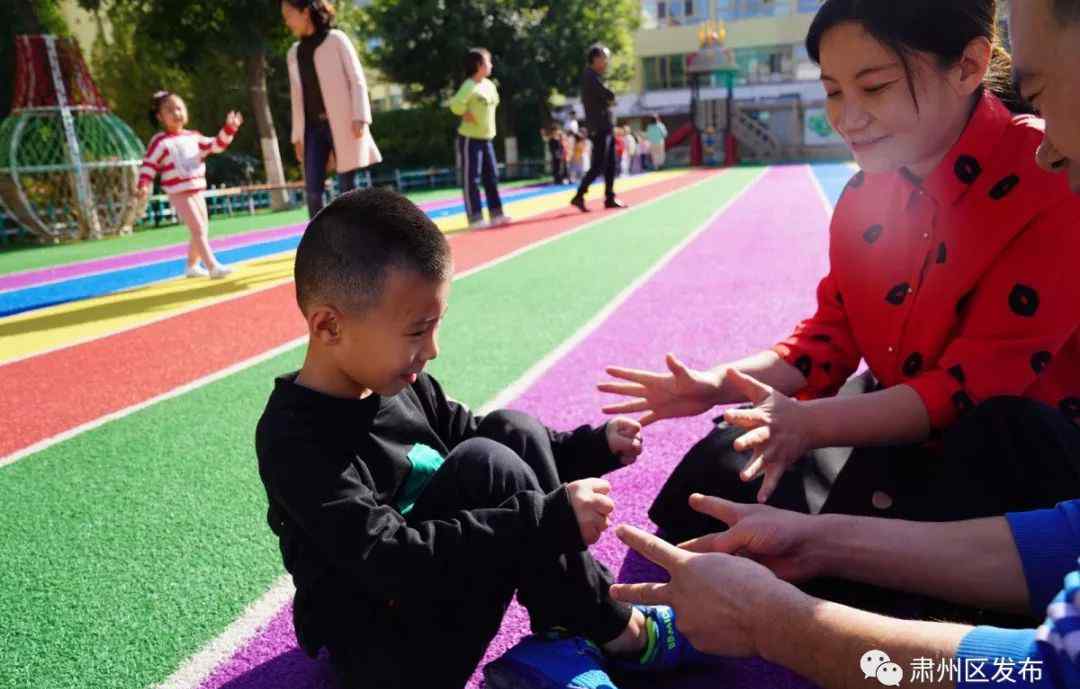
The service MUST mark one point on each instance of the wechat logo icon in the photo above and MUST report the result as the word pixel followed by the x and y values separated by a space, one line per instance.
pixel 877 665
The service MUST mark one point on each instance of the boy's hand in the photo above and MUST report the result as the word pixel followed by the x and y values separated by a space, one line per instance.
pixel 624 439
pixel 592 506
pixel 143 192
pixel 234 120
pixel 469 117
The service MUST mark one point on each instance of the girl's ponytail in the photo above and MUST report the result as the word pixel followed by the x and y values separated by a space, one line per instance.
pixel 155 106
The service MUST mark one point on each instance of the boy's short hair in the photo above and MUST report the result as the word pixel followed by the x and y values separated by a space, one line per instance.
pixel 474 58
pixel 349 249
pixel 595 51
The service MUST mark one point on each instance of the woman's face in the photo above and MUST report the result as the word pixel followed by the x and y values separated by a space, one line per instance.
pixel 870 104
pixel 298 21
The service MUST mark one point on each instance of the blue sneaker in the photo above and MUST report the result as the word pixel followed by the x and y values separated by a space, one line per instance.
pixel 549 662
pixel 666 648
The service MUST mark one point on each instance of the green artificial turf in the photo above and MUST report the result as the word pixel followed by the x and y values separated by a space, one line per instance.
pixel 128 547
pixel 28 256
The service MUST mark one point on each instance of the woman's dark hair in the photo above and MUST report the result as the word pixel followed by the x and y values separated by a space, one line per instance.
pixel 942 28
pixel 474 58
pixel 156 102
pixel 595 51
pixel 322 12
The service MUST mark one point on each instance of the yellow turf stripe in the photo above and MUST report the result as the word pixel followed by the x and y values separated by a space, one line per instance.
pixel 34 332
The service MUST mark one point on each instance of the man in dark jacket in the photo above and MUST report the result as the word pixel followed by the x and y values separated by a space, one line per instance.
pixel 598 100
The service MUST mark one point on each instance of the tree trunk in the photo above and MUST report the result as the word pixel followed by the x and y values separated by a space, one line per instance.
pixel 255 66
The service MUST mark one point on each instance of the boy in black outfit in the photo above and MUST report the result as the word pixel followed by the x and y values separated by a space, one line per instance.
pixel 407 522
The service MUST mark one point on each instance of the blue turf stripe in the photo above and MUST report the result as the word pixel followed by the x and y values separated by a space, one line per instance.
pixel 833 177
pixel 89 286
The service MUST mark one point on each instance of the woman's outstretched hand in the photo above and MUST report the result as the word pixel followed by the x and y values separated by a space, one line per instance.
pixel 778 431
pixel 680 392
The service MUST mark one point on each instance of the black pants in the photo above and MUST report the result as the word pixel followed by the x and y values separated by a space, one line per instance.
pixel 318 145
pixel 478 167
pixel 436 638
pixel 1009 454
pixel 603 163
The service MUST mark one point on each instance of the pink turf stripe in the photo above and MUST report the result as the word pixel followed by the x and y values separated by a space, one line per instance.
pixel 68 271
pixel 764 258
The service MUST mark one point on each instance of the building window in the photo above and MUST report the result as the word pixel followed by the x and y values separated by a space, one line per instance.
pixel 664 72
pixel 731 10
pixel 809 6
pixel 765 64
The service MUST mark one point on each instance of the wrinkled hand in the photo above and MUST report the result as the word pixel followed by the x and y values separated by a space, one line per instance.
pixel 681 392
pixel 624 439
pixel 234 120
pixel 778 432
pixel 359 129
pixel 719 599
pixel 779 539
pixel 592 507
pixel 468 117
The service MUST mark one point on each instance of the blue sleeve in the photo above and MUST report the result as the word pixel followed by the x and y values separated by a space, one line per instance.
pixel 1049 545
pixel 1042 659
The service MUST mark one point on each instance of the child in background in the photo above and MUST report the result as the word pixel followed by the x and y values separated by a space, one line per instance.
pixel 407 522
pixel 179 156
pixel 577 158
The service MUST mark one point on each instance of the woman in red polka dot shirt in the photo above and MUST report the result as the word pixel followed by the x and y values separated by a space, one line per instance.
pixel 955 275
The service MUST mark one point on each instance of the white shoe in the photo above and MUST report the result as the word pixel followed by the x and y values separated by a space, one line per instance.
pixel 500 220
pixel 196 271
pixel 219 271
pixel 480 224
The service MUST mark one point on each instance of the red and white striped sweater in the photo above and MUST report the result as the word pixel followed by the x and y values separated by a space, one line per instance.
pixel 180 158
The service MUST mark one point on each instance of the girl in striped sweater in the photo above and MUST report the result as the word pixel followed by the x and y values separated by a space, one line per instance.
pixel 179 156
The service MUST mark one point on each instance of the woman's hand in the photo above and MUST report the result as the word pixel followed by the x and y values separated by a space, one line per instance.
pixel 234 120
pixel 782 540
pixel 359 129
pixel 298 148
pixel 682 392
pixel 778 430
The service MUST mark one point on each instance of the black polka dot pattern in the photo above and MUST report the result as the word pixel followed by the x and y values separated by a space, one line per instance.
pixel 898 294
pixel 913 364
pixel 827 367
pixel 1070 407
pixel 962 402
pixel 839 299
pixel 821 338
pixel 1004 187
pixel 967 169
pixel 873 234
pixel 857 181
pixel 805 365
pixel 1040 360
pixel 961 305
pixel 942 253
pixel 957 372
pixel 1024 300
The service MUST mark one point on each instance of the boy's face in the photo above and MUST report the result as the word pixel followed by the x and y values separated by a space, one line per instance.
pixel 386 347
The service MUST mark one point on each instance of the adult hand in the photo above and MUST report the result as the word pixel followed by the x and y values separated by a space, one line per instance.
pixel 624 439
pixel 359 129
pixel 468 117
pixel 778 432
pixel 721 601
pixel 234 120
pixel 592 506
pixel 779 539
pixel 681 392
pixel 298 148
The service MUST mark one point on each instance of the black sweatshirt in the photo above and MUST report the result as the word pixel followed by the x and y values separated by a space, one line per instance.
pixel 597 100
pixel 314 107
pixel 332 468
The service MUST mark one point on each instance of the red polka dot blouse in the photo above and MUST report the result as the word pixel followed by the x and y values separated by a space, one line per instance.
pixel 964 285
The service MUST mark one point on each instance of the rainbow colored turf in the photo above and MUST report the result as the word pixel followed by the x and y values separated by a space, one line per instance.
pixel 133 535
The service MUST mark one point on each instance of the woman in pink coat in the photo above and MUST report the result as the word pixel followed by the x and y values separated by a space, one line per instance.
pixel 330 107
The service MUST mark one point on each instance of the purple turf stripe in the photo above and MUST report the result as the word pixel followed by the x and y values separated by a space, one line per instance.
pixel 72 270
pixel 765 258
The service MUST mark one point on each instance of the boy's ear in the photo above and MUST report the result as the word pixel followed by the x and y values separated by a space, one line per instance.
pixel 324 324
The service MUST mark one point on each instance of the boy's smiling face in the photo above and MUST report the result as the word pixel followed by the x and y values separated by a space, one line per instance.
pixel 384 348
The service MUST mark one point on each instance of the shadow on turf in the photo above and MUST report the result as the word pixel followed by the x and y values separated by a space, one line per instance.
pixel 199 289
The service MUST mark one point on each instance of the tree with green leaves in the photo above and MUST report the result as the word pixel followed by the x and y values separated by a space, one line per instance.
pixel 538 46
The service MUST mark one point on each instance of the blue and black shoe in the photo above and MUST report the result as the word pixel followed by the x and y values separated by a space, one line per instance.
pixel 665 649
pixel 550 662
